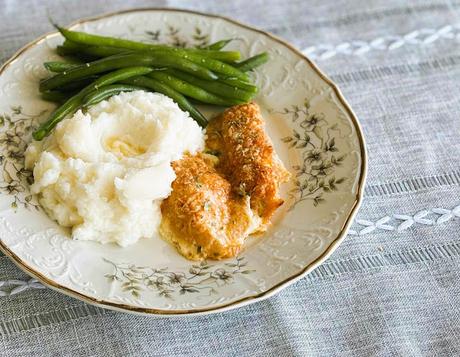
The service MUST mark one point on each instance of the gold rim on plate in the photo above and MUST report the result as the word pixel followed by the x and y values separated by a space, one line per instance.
pixel 246 300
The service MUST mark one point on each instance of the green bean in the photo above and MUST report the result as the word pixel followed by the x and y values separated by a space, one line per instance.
pixel 122 61
pixel 73 60
pixel 105 92
pixel 210 63
pixel 181 101
pixel 86 51
pixel 224 56
pixel 201 57
pixel 77 84
pixel 60 113
pixel 253 62
pixel 107 46
pixel 223 69
pixel 96 40
pixel 55 96
pixel 72 104
pixel 93 51
pixel 58 67
pixel 192 91
pixel 217 46
pixel 219 67
pixel 71 53
pixel 65 51
pixel 116 76
pixel 235 82
pixel 215 87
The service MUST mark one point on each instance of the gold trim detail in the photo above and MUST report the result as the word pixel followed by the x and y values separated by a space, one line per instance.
pixel 246 300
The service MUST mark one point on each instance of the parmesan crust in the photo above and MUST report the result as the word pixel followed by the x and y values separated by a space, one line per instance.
pixel 218 200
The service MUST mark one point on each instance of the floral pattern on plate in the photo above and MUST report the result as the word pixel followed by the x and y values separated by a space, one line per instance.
pixel 312 128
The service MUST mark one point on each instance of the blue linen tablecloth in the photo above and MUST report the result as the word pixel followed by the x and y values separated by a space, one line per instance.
pixel 392 288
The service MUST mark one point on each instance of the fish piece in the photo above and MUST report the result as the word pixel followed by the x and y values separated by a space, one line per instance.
pixel 247 157
pixel 202 217
pixel 219 199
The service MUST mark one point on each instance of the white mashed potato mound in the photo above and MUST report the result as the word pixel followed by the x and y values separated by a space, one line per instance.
pixel 105 172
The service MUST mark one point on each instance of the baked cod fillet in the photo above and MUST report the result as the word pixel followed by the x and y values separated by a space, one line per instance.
pixel 247 157
pixel 218 200
pixel 202 217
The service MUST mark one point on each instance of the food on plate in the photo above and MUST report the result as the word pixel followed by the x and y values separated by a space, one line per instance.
pixel 113 65
pixel 75 102
pixel 116 163
pixel 247 157
pixel 105 172
pixel 202 217
pixel 218 200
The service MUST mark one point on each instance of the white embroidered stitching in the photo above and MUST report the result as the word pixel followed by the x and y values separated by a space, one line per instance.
pixel 401 222
pixel 13 287
pixel 418 37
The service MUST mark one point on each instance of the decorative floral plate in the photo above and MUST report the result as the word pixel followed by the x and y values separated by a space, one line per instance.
pixel 314 132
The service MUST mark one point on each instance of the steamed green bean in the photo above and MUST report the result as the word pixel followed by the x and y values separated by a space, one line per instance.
pixel 215 87
pixel 105 92
pixel 252 62
pixel 96 40
pixel 217 46
pixel 192 91
pixel 122 61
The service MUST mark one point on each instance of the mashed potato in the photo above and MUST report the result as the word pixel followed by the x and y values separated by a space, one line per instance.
pixel 105 172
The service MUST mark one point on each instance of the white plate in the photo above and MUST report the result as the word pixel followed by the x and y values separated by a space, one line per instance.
pixel 312 127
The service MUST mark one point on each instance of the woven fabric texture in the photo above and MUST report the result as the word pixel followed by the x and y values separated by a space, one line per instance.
pixel 393 287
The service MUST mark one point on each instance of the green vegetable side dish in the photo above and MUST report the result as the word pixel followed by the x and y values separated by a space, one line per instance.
pixel 96 40
pixel 192 90
pixel 55 96
pixel 218 45
pixel 72 104
pixel 58 67
pixel 105 92
pixel 205 59
pixel 204 75
pixel 121 61
pixel 252 62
